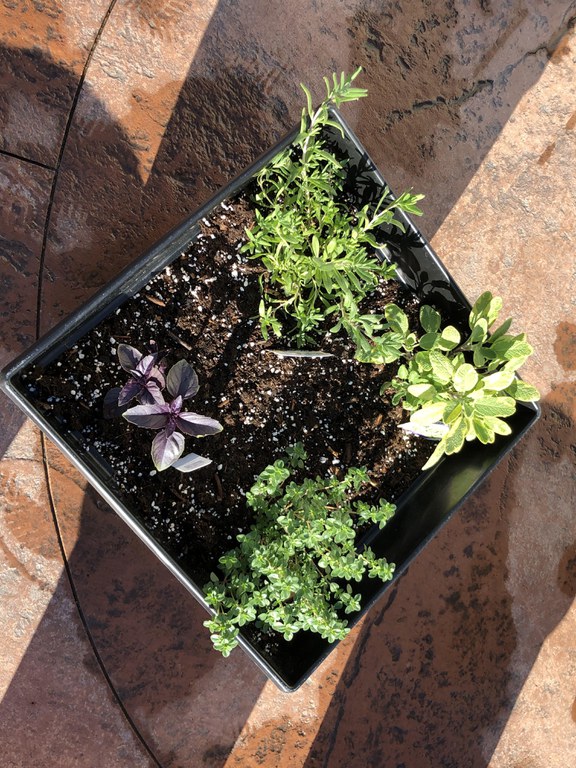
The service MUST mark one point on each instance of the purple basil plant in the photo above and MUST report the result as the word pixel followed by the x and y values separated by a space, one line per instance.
pixel 146 385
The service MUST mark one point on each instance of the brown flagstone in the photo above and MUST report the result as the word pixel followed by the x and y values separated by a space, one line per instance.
pixel 43 50
pixel 470 662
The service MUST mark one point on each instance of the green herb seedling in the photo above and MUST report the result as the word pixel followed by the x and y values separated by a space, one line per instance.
pixel 295 568
pixel 462 390
pixel 316 251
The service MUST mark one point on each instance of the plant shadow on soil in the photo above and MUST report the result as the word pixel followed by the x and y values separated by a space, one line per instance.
pixel 224 117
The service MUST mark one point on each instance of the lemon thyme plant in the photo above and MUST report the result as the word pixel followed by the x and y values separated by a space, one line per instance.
pixel 295 567
pixel 457 389
pixel 318 252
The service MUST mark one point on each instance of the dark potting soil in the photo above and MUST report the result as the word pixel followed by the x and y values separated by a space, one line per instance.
pixel 204 307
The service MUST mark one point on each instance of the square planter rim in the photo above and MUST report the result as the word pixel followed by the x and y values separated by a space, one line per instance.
pixel 128 282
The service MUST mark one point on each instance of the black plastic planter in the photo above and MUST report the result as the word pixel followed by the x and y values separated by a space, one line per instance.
pixel 421 510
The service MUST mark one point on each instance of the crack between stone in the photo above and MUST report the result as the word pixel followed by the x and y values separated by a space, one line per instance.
pixel 548 48
pixel 131 723
pixel 37 163
pixel 59 160
pixel 479 86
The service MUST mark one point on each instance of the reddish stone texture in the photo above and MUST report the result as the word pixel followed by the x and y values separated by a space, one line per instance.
pixel 187 700
pixel 43 50
pixel 565 345
pixel 18 438
pixel 24 195
pixel 429 675
pixel 56 709
pixel 162 123
pixel 469 663
pixel 517 213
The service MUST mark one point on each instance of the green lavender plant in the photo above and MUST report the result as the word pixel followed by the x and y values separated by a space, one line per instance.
pixel 294 569
pixel 457 390
pixel 317 252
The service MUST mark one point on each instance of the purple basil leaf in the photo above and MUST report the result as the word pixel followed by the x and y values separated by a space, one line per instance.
pixel 128 356
pixel 196 425
pixel 129 391
pixel 145 364
pixel 157 375
pixel 149 371
pixel 111 406
pixel 151 393
pixel 154 416
pixel 191 462
pixel 182 380
pixel 176 405
pixel 161 363
pixel 167 448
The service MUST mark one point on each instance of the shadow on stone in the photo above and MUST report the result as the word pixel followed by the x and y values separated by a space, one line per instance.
pixel 145 628
pixel 435 674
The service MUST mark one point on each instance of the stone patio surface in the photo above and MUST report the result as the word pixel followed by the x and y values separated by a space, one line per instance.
pixel 118 119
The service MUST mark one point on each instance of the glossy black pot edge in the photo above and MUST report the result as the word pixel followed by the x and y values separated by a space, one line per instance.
pixel 418 518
